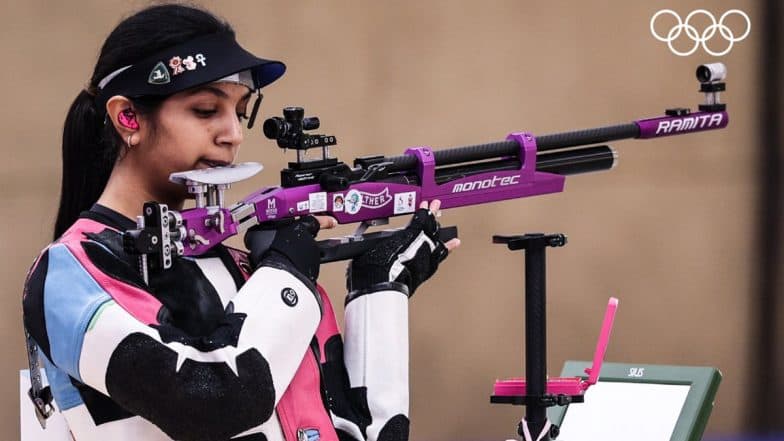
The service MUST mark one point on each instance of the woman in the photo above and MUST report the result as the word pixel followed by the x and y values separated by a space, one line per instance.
pixel 206 350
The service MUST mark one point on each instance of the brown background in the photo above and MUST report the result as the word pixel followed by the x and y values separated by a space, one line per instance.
pixel 669 231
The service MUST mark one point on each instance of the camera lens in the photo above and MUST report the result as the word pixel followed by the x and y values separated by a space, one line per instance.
pixel 711 72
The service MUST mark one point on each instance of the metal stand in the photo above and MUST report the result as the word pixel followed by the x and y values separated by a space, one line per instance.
pixel 537 400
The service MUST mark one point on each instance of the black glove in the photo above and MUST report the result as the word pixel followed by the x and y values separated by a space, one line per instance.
pixel 289 244
pixel 401 262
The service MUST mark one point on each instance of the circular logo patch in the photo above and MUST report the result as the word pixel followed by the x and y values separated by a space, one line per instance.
pixel 289 297
pixel 353 202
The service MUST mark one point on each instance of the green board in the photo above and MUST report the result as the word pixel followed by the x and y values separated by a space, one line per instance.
pixel 674 401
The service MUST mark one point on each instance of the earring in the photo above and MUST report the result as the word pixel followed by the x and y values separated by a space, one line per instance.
pixel 129 141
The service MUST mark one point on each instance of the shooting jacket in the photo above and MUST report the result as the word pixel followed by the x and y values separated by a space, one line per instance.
pixel 208 351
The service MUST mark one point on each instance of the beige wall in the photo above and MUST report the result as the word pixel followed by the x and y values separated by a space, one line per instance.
pixel 668 231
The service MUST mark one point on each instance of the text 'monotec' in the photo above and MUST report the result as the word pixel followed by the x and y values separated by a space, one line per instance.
pixel 495 181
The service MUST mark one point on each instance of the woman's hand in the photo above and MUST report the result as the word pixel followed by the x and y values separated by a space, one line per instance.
pixel 404 260
pixel 289 243
pixel 326 222
pixel 435 208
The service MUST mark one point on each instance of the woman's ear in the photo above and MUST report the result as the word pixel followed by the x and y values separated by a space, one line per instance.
pixel 123 116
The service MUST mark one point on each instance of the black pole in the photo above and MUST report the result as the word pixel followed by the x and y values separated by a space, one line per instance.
pixel 535 332
pixel 536 399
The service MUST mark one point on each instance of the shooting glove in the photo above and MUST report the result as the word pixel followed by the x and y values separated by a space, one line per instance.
pixel 289 244
pixel 401 262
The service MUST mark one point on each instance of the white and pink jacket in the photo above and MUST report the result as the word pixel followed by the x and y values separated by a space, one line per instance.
pixel 206 351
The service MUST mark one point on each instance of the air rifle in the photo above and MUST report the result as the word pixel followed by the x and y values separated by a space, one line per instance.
pixel 379 187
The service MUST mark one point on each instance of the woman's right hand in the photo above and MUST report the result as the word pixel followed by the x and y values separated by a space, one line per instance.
pixel 289 243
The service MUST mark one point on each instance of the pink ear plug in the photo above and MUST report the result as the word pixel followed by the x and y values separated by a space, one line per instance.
pixel 128 119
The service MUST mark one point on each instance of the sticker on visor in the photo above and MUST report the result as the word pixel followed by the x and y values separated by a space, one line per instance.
pixel 159 74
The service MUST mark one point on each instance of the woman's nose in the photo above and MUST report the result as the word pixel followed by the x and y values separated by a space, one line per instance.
pixel 230 134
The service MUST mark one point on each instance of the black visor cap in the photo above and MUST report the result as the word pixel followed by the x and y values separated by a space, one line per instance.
pixel 199 61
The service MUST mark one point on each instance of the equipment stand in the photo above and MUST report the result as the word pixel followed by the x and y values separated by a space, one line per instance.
pixel 536 400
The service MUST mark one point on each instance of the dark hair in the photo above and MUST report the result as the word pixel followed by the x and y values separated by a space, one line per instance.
pixel 91 145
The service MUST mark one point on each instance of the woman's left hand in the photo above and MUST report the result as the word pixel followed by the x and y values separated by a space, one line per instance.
pixel 435 208
pixel 405 259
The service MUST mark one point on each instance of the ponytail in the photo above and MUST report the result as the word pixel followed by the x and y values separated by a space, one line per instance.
pixel 90 146
pixel 87 161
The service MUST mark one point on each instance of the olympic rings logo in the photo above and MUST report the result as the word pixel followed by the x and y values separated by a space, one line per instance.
pixel 707 34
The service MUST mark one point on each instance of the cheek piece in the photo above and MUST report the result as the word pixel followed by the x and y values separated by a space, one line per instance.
pixel 127 119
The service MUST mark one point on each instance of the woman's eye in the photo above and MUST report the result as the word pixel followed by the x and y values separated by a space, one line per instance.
pixel 204 113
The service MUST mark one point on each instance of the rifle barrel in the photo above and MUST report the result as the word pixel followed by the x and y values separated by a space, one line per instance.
pixel 596 135
pixel 566 162
pixel 555 141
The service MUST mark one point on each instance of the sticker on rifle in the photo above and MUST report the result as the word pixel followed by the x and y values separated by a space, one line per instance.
pixel 318 202
pixel 337 202
pixel 376 200
pixel 272 208
pixel 302 206
pixel 353 202
pixel 405 202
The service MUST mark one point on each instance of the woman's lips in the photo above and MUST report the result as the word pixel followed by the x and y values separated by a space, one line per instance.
pixel 210 163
